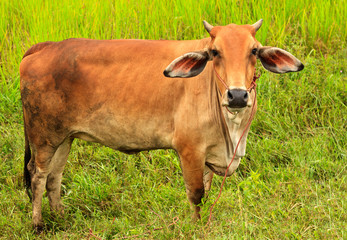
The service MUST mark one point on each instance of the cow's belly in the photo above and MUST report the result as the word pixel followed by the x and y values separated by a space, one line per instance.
pixel 126 134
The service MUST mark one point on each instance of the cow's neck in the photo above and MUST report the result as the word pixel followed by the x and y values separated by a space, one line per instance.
pixel 237 126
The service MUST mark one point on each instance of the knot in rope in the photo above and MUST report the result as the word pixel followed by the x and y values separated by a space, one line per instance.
pixel 253 83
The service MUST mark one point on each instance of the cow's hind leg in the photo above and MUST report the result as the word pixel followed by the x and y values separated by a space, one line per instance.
pixel 39 168
pixel 53 185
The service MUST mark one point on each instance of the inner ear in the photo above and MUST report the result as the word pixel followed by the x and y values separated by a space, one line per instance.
pixel 278 60
pixel 187 65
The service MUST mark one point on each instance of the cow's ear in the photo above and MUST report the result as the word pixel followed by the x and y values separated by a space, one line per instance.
pixel 278 60
pixel 187 65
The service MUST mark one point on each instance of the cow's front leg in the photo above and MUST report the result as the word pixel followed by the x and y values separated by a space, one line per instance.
pixel 208 176
pixel 192 165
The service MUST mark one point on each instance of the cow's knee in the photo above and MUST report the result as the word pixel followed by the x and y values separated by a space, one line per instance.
pixel 195 195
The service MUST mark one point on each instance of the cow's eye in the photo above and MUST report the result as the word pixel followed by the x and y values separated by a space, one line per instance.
pixel 254 51
pixel 215 53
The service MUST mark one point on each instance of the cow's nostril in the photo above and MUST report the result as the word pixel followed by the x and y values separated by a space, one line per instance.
pixel 245 97
pixel 230 95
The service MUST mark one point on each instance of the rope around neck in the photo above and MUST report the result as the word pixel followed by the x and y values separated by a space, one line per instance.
pixel 253 86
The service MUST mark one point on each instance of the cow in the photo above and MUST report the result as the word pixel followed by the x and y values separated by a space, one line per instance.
pixel 134 95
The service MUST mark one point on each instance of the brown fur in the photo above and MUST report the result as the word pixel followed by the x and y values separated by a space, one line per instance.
pixel 114 92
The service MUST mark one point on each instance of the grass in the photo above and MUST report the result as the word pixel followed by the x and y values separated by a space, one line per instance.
pixel 290 185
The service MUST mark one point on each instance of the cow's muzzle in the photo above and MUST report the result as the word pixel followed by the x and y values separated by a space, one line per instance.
pixel 237 98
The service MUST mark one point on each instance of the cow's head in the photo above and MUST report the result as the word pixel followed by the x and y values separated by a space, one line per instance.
pixel 234 51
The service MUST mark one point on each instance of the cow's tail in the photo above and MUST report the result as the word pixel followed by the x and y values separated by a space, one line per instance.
pixel 27 157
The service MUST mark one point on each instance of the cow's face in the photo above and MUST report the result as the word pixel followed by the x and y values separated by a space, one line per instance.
pixel 234 51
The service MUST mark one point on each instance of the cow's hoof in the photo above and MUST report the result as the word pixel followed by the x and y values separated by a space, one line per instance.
pixel 38 228
pixel 196 217
pixel 58 210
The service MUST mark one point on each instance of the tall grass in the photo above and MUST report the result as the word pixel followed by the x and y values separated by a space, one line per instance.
pixel 292 182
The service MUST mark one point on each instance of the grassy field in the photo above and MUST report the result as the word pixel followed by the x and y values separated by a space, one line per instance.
pixel 290 185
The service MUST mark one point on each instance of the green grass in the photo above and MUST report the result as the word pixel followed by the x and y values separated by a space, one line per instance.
pixel 290 185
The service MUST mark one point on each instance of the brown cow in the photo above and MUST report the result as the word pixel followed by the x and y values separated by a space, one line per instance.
pixel 114 92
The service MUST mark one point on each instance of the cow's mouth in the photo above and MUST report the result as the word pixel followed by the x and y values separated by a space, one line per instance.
pixel 233 110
